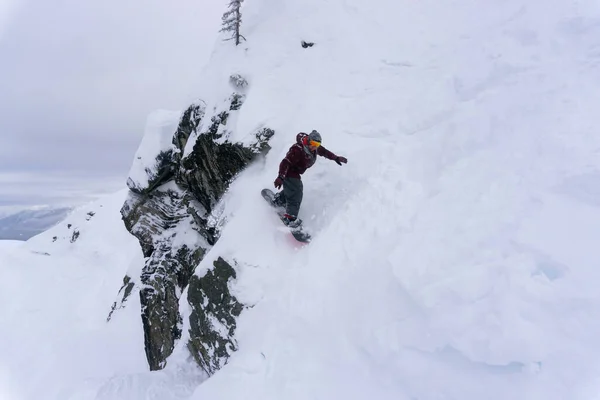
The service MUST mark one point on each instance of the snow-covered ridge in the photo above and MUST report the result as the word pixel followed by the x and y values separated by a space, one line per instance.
pixel 57 290
pixel 175 210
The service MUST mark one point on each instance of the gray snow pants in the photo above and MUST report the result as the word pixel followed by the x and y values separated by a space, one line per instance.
pixel 291 195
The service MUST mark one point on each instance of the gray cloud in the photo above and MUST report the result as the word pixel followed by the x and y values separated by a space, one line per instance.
pixel 78 78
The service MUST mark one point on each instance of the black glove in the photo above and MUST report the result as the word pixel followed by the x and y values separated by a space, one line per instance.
pixel 340 160
pixel 278 182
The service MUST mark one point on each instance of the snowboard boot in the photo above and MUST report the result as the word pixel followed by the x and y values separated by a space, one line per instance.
pixel 292 221
pixel 279 199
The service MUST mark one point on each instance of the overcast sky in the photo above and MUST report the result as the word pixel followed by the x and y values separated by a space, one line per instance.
pixel 77 79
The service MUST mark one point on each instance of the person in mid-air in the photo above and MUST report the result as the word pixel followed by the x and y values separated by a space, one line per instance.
pixel 301 156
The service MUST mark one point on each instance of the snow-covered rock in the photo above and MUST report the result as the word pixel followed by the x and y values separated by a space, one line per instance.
pixel 173 211
pixel 153 161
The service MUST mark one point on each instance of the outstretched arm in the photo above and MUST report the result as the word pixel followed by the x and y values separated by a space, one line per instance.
pixel 322 151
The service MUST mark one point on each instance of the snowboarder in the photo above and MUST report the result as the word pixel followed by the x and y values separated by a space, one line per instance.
pixel 301 156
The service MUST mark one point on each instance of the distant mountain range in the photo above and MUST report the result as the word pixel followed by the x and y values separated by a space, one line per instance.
pixel 27 223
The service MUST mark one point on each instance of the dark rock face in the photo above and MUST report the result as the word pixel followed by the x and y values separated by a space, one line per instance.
pixel 155 220
pixel 172 220
pixel 75 236
pixel 164 168
pixel 162 283
pixel 190 120
pixel 212 321
pixel 211 167
pixel 238 81
pixel 124 293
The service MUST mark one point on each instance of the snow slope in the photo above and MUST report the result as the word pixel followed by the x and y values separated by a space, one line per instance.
pixel 56 291
pixel 454 257
pixel 9 244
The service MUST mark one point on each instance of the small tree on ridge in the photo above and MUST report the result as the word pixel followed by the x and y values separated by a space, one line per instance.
pixel 232 19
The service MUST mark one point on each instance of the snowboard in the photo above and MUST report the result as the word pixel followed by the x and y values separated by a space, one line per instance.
pixel 298 232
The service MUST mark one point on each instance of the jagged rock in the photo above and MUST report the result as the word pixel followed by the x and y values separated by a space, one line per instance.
pixel 155 220
pixel 188 123
pixel 163 280
pixel 306 45
pixel 124 293
pixel 238 81
pixel 164 167
pixel 147 217
pixel 213 316
pixel 236 101
pixel 218 122
pixel 211 167
pixel 262 140
pixel 178 197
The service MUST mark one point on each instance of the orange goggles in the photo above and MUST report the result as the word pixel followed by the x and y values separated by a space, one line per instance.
pixel 313 143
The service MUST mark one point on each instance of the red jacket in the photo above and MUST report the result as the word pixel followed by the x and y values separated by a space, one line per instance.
pixel 299 158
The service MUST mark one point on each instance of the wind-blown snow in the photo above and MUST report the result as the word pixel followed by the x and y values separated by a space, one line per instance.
pixel 455 256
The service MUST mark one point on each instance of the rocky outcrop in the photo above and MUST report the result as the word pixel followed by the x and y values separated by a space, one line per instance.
pixel 171 209
pixel 211 167
pixel 159 221
pixel 163 281
pixel 124 293
pixel 190 120
pixel 212 321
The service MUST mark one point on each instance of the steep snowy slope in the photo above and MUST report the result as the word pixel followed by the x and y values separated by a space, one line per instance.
pixel 56 291
pixel 455 255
